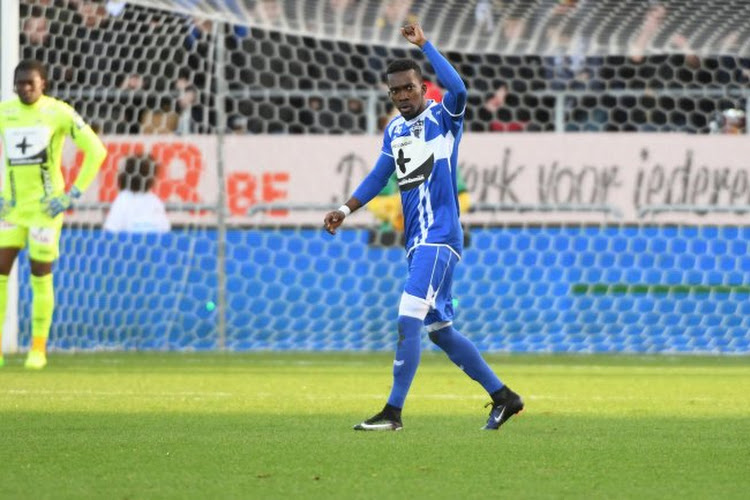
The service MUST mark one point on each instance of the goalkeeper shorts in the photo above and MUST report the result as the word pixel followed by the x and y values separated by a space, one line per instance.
pixel 44 242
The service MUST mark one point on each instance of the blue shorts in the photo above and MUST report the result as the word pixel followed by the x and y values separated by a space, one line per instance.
pixel 427 293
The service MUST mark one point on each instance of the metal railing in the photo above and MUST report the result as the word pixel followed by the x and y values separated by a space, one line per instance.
pixel 654 210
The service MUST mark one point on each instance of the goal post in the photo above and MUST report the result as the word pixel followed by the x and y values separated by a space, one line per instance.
pixel 9 29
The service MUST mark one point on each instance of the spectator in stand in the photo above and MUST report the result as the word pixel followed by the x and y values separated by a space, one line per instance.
pixel 190 113
pixel 163 120
pixel 339 17
pixel 653 23
pixel 130 103
pixel 496 116
pixel 677 67
pixel 392 16
pixel 354 120
pixel 35 30
pixel 729 122
pixel 484 20
pixel 189 106
pixel 570 67
pixel 92 13
pixel 237 125
pixel 199 30
pixel 269 13
pixel 512 28
pixel 136 208
pixel 36 43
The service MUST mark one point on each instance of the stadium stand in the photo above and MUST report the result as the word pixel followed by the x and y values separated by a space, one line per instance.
pixel 118 70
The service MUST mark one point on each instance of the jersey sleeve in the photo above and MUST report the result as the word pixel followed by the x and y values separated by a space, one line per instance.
pixel 386 149
pixel 454 100
pixel 375 180
pixel 92 147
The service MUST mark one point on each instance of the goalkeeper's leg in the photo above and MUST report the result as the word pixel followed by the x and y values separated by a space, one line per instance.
pixel 42 307
pixel 43 251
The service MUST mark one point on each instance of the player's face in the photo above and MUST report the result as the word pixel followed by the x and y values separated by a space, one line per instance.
pixel 407 91
pixel 29 86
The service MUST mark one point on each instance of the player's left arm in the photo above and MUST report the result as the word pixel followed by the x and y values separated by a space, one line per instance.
pixel 94 154
pixel 454 100
pixel 93 148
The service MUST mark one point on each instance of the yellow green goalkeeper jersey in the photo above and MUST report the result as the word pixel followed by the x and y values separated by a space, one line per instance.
pixel 33 137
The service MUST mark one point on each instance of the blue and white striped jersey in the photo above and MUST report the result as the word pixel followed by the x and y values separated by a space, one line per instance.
pixel 425 154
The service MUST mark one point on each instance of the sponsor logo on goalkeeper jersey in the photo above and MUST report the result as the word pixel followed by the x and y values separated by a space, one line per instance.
pixel 27 145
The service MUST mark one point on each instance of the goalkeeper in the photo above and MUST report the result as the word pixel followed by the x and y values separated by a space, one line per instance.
pixel 33 127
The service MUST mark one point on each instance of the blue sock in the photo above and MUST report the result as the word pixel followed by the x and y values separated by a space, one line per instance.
pixel 405 364
pixel 465 354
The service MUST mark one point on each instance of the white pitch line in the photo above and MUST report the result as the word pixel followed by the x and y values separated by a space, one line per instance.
pixel 329 397
pixel 48 392
pixel 531 397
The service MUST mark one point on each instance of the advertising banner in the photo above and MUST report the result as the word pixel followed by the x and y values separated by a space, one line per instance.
pixel 511 178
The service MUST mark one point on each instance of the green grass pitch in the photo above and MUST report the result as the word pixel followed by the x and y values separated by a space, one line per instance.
pixel 274 425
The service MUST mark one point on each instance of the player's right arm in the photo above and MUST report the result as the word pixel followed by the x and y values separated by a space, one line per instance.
pixel 454 100
pixel 367 190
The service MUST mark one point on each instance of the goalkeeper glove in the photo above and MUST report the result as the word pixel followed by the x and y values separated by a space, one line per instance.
pixel 6 207
pixel 57 205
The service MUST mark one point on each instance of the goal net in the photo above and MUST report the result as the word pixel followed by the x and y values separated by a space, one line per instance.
pixel 258 116
pixel 535 27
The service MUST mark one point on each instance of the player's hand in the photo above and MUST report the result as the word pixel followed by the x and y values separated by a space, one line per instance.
pixel 414 33
pixel 333 220
pixel 58 204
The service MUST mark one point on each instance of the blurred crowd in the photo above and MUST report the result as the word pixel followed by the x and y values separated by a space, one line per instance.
pixel 130 69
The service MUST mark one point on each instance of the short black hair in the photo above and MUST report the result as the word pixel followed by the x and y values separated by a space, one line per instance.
pixel 403 65
pixel 31 65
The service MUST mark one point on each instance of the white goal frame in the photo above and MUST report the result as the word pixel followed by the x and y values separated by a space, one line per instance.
pixel 9 55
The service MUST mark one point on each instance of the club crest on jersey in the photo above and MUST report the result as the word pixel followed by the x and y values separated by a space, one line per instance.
pixel 414 162
pixel 417 128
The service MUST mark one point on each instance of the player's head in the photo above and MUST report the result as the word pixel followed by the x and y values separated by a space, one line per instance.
pixel 137 174
pixel 30 80
pixel 406 87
